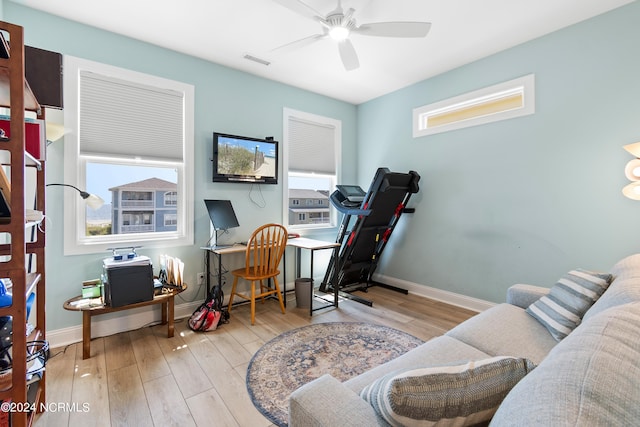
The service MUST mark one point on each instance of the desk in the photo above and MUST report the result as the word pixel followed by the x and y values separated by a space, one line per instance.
pixel 218 252
pixel 313 245
pixel 167 301
pixel 299 243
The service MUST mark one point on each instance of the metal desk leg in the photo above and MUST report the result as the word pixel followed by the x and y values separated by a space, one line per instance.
pixel 334 280
pixel 219 256
pixel 284 277
pixel 312 290
pixel 207 269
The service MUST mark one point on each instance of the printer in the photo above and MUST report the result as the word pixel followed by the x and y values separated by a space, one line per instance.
pixel 127 281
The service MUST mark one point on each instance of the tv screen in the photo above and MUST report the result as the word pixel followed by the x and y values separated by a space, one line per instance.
pixel 244 159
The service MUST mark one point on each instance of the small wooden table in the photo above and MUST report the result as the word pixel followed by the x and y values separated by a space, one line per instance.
pixel 166 299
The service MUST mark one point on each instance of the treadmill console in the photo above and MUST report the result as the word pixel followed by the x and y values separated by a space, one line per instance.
pixel 352 193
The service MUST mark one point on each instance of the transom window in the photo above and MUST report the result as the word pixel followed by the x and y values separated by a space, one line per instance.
pixel 507 100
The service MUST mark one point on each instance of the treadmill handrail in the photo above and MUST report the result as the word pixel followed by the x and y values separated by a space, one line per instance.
pixel 337 203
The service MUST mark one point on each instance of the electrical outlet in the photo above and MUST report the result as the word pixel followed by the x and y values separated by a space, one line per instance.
pixel 200 278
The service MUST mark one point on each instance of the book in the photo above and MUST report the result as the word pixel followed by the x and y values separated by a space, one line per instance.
pixel 4 47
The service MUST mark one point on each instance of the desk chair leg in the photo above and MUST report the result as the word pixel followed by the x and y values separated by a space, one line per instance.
pixel 253 301
pixel 262 289
pixel 275 283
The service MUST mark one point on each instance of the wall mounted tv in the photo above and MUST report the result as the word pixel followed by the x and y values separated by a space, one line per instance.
pixel 244 159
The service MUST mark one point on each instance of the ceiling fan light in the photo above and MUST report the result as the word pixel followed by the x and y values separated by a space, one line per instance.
pixel 339 33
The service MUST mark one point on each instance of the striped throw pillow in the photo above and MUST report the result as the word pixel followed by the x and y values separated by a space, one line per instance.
pixel 562 309
pixel 461 394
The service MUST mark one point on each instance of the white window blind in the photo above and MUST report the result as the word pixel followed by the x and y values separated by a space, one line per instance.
pixel 311 147
pixel 116 119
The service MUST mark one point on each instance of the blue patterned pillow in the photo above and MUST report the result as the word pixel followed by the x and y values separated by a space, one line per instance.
pixel 562 309
pixel 462 394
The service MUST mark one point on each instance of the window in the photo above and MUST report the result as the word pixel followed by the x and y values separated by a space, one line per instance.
pixel 171 198
pixel 132 140
pixel 170 220
pixel 507 100
pixel 311 149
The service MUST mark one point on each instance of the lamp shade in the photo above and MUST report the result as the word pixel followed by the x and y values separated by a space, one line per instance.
pixel 632 190
pixel 54 131
pixel 634 149
pixel 632 170
pixel 94 202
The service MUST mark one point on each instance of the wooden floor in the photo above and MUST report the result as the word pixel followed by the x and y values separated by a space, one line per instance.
pixel 142 378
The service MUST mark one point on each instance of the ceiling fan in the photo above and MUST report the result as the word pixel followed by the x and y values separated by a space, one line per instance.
pixel 339 25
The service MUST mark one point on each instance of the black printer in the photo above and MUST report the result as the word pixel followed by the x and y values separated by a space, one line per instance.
pixel 127 281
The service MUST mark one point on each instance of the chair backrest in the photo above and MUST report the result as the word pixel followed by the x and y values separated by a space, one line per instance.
pixel 265 249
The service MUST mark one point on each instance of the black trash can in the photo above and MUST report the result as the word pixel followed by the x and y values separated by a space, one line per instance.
pixel 303 292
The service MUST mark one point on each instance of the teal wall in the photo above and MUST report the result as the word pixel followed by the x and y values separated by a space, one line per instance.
pixel 226 100
pixel 522 200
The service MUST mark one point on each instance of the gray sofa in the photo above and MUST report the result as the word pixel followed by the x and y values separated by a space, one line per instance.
pixel 589 378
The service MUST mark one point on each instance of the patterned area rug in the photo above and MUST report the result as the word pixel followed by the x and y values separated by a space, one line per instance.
pixel 301 355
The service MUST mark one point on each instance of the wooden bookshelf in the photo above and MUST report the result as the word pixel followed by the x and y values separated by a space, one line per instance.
pixel 22 258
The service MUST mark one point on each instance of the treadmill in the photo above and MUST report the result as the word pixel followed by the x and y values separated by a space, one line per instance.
pixel 375 215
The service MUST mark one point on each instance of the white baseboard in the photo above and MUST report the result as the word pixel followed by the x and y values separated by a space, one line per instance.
pixel 452 298
pixel 109 324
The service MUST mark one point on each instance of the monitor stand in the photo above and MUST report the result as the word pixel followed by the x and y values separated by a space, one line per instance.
pixel 215 244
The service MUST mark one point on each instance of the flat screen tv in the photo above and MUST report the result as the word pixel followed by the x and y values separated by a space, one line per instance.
pixel 244 159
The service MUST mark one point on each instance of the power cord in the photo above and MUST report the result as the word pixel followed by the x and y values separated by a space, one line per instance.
pixel 259 203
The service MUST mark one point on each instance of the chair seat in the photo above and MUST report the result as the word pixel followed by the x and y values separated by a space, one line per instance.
pixel 240 272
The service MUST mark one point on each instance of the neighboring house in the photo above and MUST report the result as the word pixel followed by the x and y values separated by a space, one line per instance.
pixel 308 207
pixel 144 206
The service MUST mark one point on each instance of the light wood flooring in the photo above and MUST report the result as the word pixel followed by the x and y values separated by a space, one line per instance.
pixel 142 378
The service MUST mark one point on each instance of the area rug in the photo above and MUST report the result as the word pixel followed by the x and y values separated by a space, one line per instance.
pixel 296 357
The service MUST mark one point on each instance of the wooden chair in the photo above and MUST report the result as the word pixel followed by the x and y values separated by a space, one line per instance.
pixel 264 252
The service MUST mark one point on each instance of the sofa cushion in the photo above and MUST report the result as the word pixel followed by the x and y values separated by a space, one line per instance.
pixel 522 295
pixel 308 406
pixel 624 289
pixel 437 351
pixel 569 299
pixel 621 291
pixel 459 394
pixel 589 379
pixel 505 330
pixel 627 267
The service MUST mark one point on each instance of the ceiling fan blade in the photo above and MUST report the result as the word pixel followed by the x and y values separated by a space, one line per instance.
pixel 300 8
pixel 348 55
pixel 299 43
pixel 394 29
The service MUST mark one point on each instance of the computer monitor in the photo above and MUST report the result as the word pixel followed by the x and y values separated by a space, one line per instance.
pixel 222 214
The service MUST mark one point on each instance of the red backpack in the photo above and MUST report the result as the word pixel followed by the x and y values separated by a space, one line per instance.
pixel 210 314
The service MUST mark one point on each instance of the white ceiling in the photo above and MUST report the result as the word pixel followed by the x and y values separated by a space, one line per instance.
pixel 223 31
